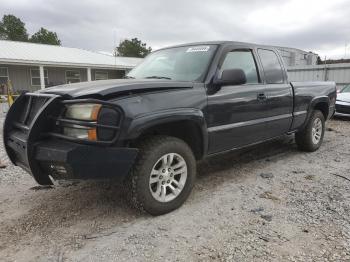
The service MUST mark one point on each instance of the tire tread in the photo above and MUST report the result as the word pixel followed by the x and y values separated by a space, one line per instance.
pixel 303 138
pixel 146 147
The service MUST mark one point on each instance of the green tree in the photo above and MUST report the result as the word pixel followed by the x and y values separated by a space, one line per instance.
pixel 12 28
pixel 44 36
pixel 132 48
pixel 319 61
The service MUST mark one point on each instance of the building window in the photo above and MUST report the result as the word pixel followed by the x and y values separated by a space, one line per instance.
pixel 35 76
pixel 101 75
pixel 4 75
pixel 72 76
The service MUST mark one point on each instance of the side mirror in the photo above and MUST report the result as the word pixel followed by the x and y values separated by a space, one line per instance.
pixel 232 77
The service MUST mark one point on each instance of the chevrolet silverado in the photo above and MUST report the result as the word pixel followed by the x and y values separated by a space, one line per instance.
pixel 180 105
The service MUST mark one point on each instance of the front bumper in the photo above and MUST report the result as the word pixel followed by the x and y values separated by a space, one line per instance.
pixel 67 160
pixel 28 145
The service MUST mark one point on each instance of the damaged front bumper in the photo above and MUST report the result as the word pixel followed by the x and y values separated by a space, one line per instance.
pixel 27 144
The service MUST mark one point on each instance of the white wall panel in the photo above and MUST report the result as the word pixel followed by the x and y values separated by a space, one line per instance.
pixel 339 73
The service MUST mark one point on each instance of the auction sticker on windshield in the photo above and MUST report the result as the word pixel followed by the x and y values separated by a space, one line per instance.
pixel 198 49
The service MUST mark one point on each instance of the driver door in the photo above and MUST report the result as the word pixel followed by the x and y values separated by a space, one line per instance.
pixel 236 113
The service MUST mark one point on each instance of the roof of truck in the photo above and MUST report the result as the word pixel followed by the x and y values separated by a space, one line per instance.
pixel 218 43
pixel 226 42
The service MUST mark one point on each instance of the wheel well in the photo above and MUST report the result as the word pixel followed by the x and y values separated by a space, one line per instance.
pixel 187 131
pixel 323 107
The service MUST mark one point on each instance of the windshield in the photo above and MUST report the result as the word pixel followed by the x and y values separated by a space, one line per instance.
pixel 346 89
pixel 188 63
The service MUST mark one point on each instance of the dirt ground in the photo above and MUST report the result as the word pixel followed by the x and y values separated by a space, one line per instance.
pixel 269 203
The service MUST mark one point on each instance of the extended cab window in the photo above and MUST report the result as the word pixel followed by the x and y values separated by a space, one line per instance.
pixel 242 59
pixel 272 67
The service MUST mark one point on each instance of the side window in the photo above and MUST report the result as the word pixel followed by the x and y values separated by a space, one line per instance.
pixel 4 75
pixel 272 67
pixel 101 75
pixel 72 76
pixel 35 77
pixel 242 59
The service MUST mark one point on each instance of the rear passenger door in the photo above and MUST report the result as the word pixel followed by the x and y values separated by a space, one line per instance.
pixel 279 93
pixel 236 113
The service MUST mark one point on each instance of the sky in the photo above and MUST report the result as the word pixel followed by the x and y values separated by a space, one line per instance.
pixel 321 26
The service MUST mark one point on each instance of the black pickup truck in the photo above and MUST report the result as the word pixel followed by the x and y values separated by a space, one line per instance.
pixel 180 105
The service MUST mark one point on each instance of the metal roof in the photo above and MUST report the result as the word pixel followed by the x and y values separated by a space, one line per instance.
pixel 29 53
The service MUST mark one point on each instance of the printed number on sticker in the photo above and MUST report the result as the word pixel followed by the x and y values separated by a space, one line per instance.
pixel 198 49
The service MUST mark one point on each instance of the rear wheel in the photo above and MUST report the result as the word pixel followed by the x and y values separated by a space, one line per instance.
pixel 310 139
pixel 163 175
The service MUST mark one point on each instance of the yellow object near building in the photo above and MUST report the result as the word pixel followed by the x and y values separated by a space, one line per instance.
pixel 9 93
pixel 10 100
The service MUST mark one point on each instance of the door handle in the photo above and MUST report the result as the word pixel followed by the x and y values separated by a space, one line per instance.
pixel 262 97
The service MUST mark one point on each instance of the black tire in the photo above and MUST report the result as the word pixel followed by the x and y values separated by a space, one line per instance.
pixel 304 138
pixel 150 151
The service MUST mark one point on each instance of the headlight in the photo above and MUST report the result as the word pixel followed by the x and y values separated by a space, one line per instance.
pixel 88 112
pixel 81 132
pixel 82 112
pixel 91 121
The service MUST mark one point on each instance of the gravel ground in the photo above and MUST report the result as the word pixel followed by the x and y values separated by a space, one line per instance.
pixel 269 203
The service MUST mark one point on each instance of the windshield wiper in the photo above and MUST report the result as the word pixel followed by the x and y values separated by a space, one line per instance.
pixel 158 77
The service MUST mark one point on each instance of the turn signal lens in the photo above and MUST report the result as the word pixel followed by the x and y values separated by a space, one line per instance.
pixel 95 111
pixel 92 134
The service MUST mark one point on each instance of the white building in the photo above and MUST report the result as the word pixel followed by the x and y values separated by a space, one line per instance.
pixel 32 66
pixel 297 57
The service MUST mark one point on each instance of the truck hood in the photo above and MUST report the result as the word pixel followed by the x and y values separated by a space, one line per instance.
pixel 345 97
pixel 114 88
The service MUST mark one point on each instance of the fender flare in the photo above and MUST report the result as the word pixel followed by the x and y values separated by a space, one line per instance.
pixel 140 124
pixel 313 103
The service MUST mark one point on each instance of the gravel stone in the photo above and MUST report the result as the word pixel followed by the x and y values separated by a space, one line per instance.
pixel 302 214
pixel 257 210
pixel 267 175
pixel 267 217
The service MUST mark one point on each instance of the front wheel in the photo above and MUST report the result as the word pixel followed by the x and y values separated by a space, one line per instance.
pixel 163 175
pixel 310 139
